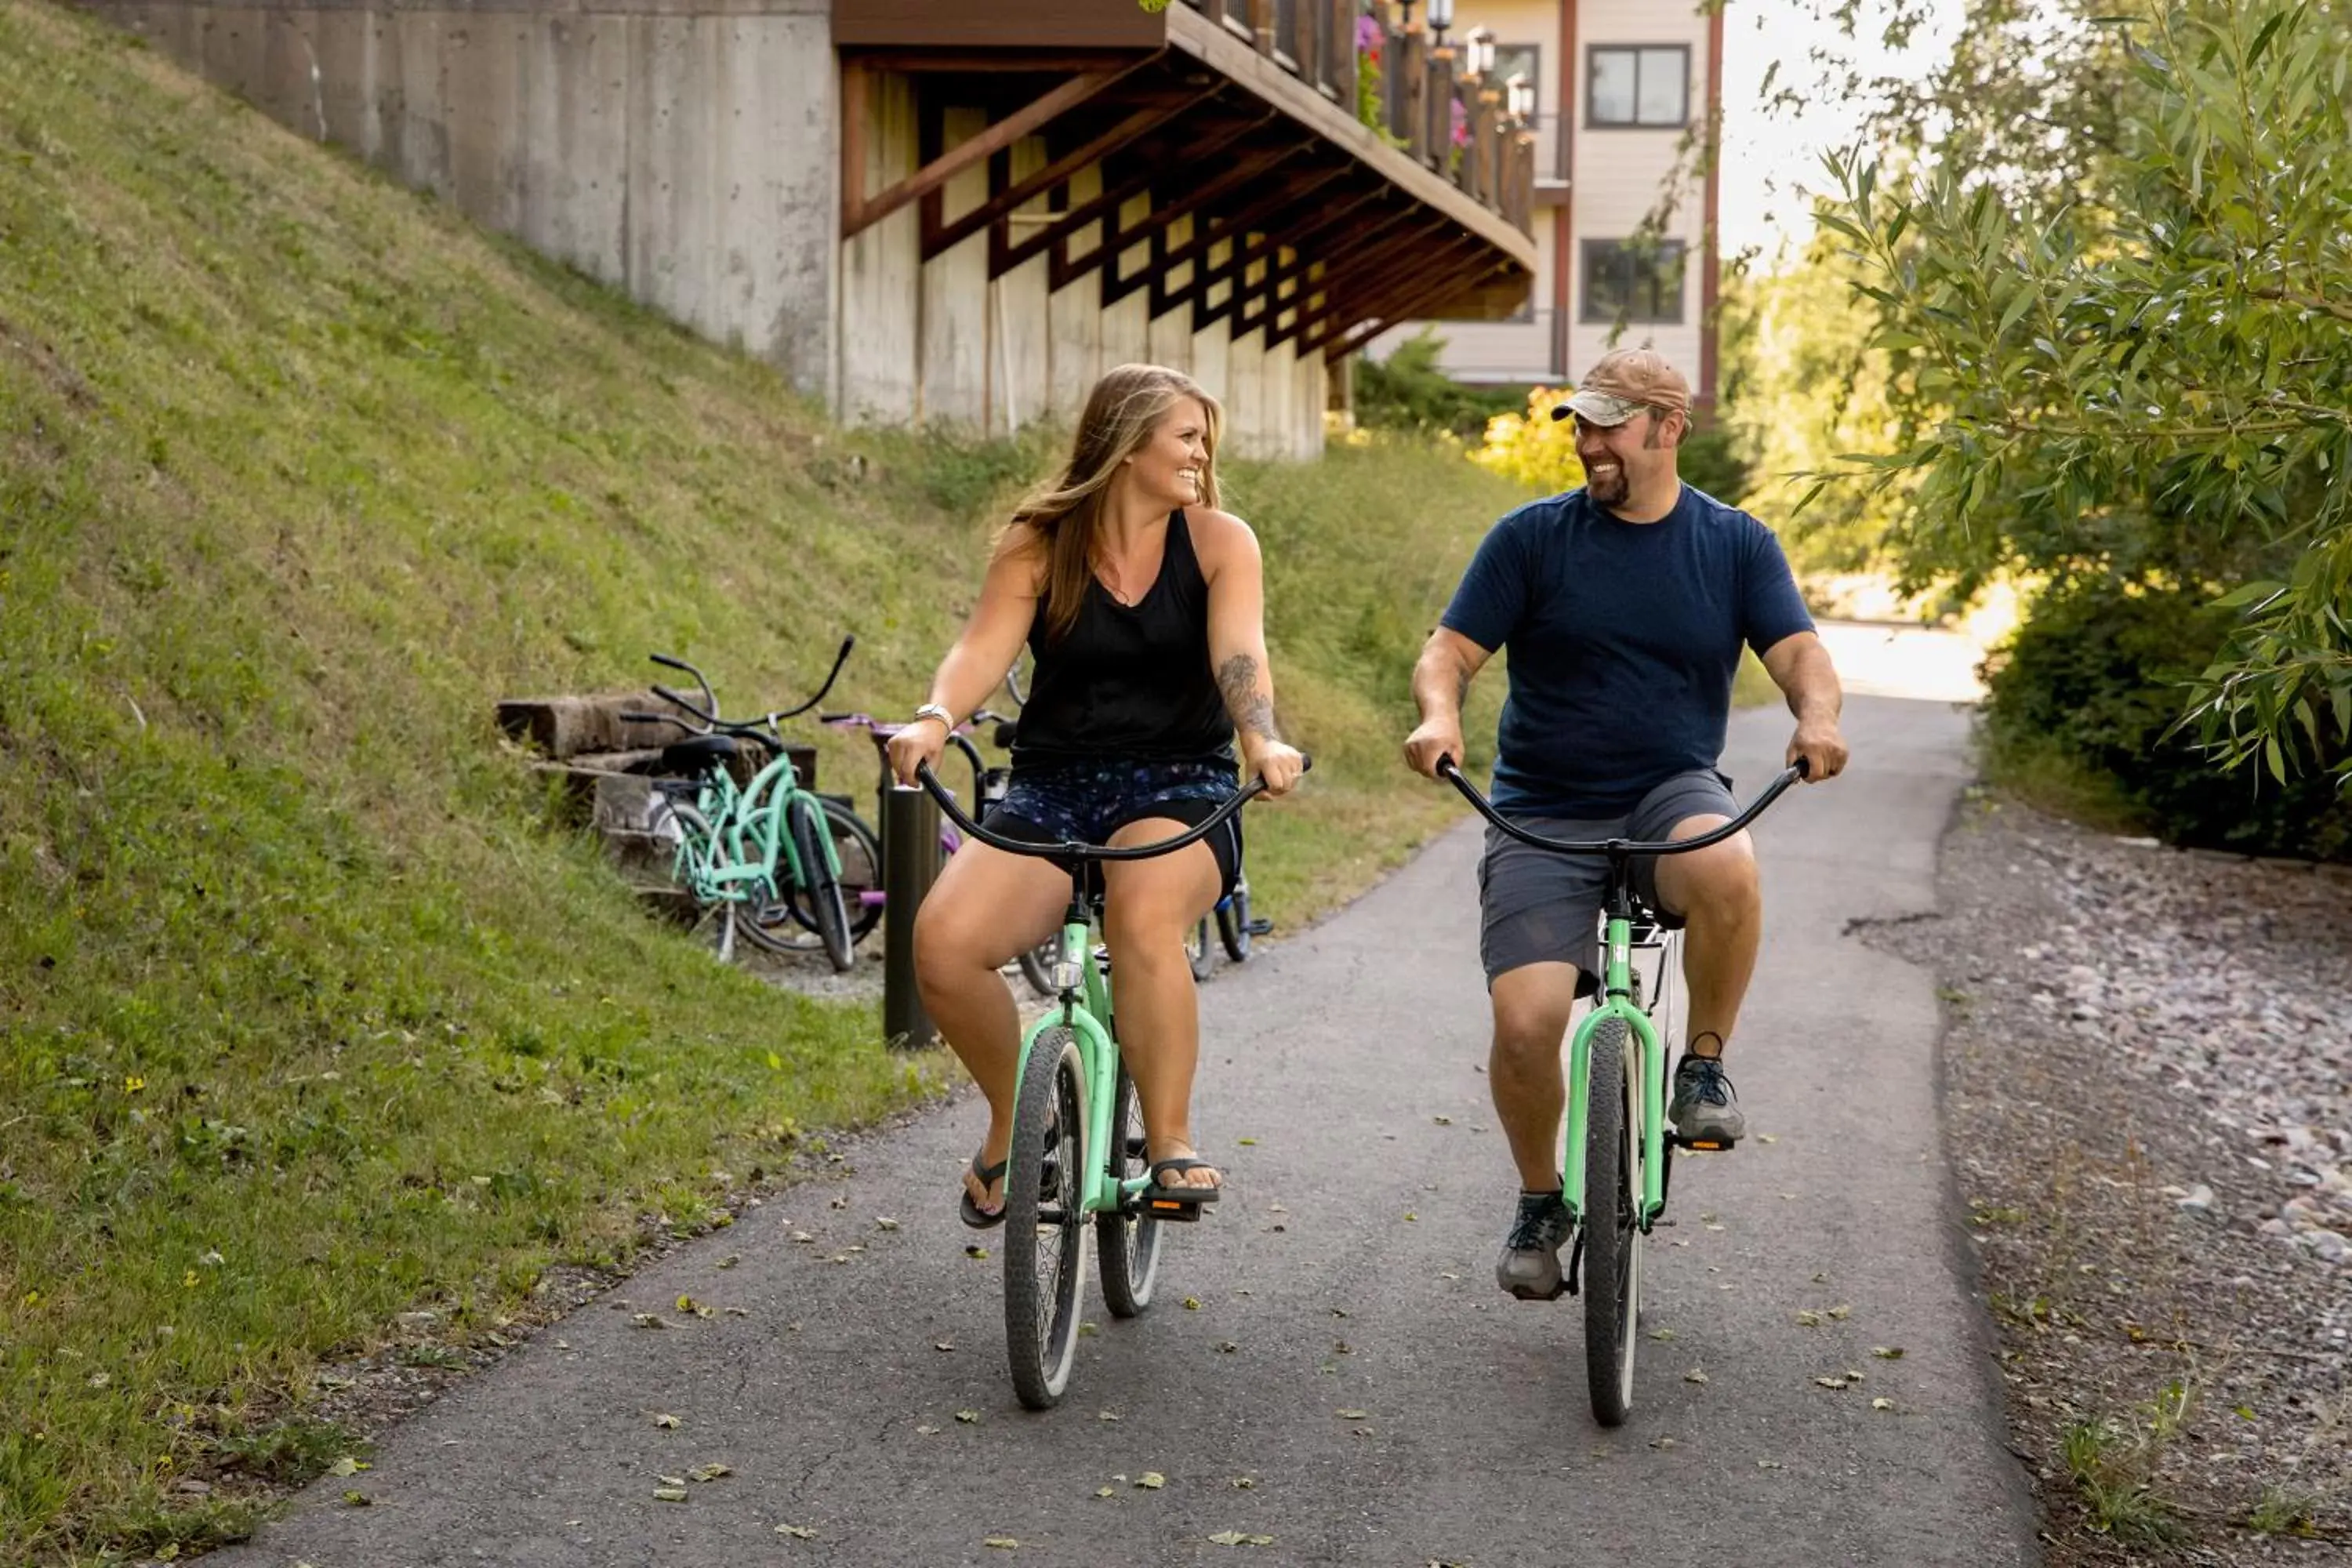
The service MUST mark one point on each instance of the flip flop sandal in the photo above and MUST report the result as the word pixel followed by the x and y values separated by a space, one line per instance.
pixel 972 1214
pixel 1178 1203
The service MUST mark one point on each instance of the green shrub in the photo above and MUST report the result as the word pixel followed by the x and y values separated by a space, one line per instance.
pixel 1407 391
pixel 2087 693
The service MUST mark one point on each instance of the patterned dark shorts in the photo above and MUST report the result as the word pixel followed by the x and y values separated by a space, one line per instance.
pixel 1087 802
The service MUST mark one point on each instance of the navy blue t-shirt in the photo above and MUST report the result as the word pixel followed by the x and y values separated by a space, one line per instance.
pixel 1623 638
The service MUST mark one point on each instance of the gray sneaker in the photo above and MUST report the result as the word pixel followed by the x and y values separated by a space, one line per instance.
pixel 1705 1110
pixel 1529 1266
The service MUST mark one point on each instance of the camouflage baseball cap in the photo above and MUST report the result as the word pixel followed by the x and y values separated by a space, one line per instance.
pixel 1624 383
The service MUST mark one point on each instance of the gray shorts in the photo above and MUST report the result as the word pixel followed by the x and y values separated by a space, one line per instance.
pixel 1536 907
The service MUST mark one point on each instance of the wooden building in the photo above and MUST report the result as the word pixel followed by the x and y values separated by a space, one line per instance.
pixel 934 210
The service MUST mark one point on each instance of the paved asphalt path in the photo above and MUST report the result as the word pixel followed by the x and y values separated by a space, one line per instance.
pixel 1352 1384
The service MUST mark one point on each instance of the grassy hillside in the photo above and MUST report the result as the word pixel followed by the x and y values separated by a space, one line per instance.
pixel 309 1014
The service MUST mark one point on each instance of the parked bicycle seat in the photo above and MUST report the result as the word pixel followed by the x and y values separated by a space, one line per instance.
pixel 699 755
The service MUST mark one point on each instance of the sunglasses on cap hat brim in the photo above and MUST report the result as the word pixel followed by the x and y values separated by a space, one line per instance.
pixel 1598 408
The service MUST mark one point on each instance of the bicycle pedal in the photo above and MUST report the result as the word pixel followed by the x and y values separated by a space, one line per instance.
pixel 1706 1145
pixel 1166 1209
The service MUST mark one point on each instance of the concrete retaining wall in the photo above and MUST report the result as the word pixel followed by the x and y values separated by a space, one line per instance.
pixel 687 151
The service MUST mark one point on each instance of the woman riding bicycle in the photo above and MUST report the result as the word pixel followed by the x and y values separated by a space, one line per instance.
pixel 1144 607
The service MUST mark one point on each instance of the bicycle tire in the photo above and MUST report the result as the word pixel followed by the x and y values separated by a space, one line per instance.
pixel 1037 966
pixel 714 922
pixel 1612 1241
pixel 1045 1223
pixel 817 898
pixel 785 925
pixel 1198 955
pixel 1234 922
pixel 1127 1240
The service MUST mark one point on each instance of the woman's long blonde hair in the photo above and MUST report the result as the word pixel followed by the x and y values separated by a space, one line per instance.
pixel 1063 519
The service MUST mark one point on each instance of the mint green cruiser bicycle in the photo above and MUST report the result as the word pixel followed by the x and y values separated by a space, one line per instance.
pixel 765 860
pixel 1616 1161
pixel 1078 1147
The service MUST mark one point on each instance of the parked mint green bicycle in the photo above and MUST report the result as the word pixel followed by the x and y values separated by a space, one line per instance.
pixel 764 860
pixel 1615 1164
pixel 1077 1130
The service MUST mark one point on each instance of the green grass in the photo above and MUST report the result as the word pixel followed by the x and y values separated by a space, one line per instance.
pixel 312 1011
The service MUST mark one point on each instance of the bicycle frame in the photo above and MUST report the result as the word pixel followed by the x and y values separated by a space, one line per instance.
pixel 1082 990
pixel 1082 1001
pixel 1617 992
pixel 1617 1002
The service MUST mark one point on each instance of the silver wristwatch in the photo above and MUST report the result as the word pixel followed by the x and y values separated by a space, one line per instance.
pixel 933 711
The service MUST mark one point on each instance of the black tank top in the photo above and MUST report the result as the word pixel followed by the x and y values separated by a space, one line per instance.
pixel 1129 680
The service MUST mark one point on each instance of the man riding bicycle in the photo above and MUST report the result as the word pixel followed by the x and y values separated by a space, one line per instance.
pixel 1623 605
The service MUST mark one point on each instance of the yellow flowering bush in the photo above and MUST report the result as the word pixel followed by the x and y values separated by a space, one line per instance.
pixel 1533 448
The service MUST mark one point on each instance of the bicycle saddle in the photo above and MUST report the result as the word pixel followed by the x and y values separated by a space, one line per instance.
pixel 699 755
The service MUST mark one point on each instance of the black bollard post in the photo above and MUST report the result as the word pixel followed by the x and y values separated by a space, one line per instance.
pixel 910 861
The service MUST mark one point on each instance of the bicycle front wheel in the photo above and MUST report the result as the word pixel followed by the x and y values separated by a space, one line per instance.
pixel 1612 1241
pixel 1128 1239
pixel 1045 1219
pixel 817 899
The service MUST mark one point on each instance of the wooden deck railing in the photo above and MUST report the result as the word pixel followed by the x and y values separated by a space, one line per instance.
pixel 1413 96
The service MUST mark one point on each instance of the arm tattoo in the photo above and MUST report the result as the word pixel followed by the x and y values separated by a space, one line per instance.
pixel 1252 710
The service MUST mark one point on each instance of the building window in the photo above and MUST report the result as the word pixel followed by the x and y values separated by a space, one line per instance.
pixel 1628 282
pixel 1646 86
pixel 1519 60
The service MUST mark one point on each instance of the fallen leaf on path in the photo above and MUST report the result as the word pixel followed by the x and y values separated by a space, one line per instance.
pixel 1696 1374
pixel 1151 1480
pixel 669 1494
pixel 730 1261
pixel 1352 1414
pixel 1882 1403
pixel 358 1499
pixel 1106 1492
pixel 944 1345
pixel 710 1472
pixel 1842 1311
pixel 1808 1318
pixel 1768 1137
pixel 797 1532
pixel 1830 1381
pixel 975 1250
pixel 1227 1346
pixel 667 1422
pixel 1664 1443
pixel 1001 1542
pixel 967 1416
pixel 1247 1483
pixel 346 1465
pixel 1191 1303
pixel 803 1236
pixel 927 1431
pixel 884 1222
pixel 1443 1121
pixel 1248 1142
pixel 1662 1335
pixel 1887 1352
pixel 647 1320
pixel 738 1312
pixel 1235 1538
pixel 1770 1465
pixel 1106 1414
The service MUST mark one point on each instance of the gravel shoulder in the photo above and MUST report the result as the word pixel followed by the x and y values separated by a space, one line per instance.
pixel 2147 1099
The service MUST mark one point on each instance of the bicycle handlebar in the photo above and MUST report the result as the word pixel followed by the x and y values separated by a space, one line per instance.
pixel 708 712
pixel 1619 847
pixel 1076 850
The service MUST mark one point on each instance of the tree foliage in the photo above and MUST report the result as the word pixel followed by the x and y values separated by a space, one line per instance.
pixel 2116 292
pixel 1410 391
